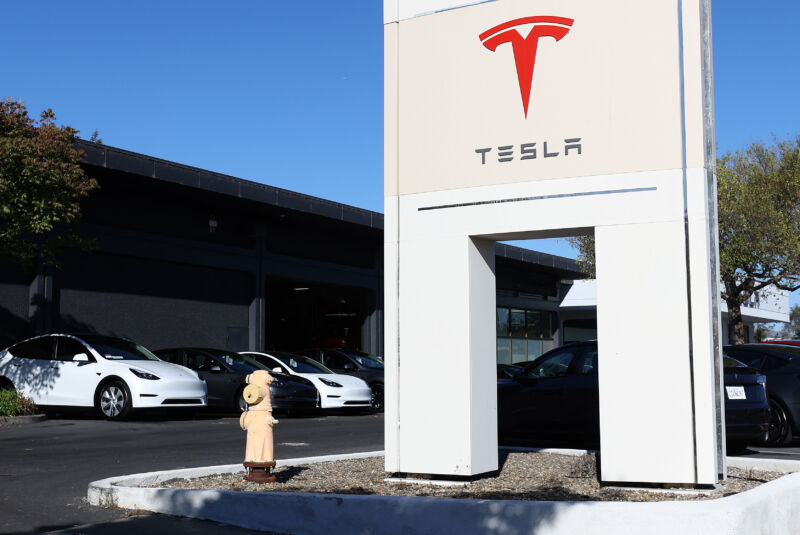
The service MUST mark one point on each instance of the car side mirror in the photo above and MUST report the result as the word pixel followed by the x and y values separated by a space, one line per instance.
pixel 277 369
pixel 349 366
pixel 80 357
pixel 215 369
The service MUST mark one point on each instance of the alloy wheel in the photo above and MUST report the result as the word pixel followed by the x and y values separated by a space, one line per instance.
pixel 778 425
pixel 112 401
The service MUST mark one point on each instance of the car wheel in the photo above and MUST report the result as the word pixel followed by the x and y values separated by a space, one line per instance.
pixel 376 402
pixel 239 401
pixel 114 400
pixel 779 432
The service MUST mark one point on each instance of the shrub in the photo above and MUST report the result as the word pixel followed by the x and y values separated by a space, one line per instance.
pixel 12 404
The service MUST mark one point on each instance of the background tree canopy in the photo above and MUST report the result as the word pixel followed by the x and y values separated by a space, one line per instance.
pixel 41 185
pixel 758 192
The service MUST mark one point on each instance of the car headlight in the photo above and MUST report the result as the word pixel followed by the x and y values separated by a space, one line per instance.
pixel 141 374
pixel 330 383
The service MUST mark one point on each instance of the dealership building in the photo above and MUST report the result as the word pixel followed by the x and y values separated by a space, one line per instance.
pixel 188 257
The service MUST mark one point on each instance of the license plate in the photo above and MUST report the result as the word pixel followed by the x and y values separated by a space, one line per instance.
pixel 735 392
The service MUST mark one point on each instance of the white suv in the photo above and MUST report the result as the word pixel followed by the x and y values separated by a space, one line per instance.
pixel 112 374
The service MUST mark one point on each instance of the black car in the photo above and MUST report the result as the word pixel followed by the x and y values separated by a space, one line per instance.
pixel 507 371
pixel 351 362
pixel 225 371
pixel 781 365
pixel 555 397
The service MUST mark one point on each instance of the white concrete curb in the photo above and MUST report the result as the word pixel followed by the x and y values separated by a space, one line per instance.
pixel 8 421
pixel 771 509
pixel 784 466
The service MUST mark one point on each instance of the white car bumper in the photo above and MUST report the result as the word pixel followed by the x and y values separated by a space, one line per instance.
pixel 337 398
pixel 169 393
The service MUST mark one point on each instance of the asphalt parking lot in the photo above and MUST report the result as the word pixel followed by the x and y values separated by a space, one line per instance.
pixel 45 468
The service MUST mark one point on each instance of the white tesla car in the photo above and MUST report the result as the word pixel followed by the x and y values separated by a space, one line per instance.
pixel 335 390
pixel 112 374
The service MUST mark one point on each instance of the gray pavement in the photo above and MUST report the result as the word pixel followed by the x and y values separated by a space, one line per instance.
pixel 789 453
pixel 45 468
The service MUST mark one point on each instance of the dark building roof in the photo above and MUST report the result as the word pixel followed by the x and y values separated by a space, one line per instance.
pixel 114 158
pixel 139 164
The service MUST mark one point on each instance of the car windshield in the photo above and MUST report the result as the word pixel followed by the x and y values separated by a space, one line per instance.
pixel 240 363
pixel 117 349
pixel 784 348
pixel 366 360
pixel 301 364
pixel 729 362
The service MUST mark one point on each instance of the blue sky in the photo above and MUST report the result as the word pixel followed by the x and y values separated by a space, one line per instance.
pixel 291 93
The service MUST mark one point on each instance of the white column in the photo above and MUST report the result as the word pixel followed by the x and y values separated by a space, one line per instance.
pixel 650 428
pixel 447 422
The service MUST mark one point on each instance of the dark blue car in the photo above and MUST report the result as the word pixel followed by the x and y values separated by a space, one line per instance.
pixel 781 365
pixel 555 399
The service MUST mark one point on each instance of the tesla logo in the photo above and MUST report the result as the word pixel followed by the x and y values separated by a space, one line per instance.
pixel 525 48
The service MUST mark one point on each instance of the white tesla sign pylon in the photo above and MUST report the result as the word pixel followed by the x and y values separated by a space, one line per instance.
pixel 517 119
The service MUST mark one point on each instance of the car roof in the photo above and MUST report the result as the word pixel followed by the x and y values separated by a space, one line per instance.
pixel 776 350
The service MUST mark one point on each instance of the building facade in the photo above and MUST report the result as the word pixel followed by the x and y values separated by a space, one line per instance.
pixel 185 256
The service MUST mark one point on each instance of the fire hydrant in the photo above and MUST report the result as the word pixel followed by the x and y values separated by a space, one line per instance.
pixel 257 420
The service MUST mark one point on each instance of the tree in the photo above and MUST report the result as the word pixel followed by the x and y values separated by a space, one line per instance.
pixel 41 185
pixel 758 193
pixel 791 331
pixel 758 190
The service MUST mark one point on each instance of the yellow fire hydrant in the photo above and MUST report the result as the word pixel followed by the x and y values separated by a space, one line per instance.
pixel 257 420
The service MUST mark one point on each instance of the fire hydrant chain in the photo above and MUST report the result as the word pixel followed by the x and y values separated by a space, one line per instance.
pixel 257 420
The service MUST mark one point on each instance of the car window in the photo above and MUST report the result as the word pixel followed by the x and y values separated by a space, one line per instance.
pixel 301 364
pixel 310 353
pixel 367 361
pixel 730 362
pixel 200 362
pixel 334 360
pixel 67 348
pixel 238 363
pixel 36 349
pixel 773 363
pixel 556 365
pixel 117 348
pixel 172 355
pixel 586 362
pixel 748 358
pixel 269 362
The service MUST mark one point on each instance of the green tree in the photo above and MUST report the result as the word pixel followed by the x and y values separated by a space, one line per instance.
pixel 41 185
pixel 791 331
pixel 758 192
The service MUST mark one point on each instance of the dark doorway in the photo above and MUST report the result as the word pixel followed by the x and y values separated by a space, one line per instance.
pixel 307 314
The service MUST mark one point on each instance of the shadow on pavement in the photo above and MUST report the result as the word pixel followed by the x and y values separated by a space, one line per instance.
pixel 156 415
pixel 151 524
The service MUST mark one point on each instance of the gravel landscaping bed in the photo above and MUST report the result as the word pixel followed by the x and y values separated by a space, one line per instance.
pixel 523 476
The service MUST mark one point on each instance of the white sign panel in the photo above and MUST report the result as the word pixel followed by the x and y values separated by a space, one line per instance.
pixel 515 119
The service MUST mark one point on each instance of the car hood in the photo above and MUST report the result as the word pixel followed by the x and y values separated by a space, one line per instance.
pixel 344 380
pixel 165 370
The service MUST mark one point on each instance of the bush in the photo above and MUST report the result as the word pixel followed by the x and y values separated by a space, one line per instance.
pixel 12 404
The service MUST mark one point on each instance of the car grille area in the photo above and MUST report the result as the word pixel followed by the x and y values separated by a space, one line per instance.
pixel 182 401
